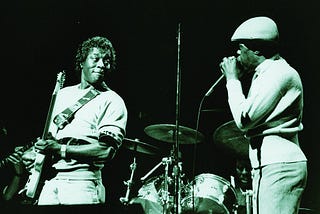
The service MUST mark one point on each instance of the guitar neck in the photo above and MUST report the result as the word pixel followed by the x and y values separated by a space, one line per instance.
pixel 59 84
pixel 49 116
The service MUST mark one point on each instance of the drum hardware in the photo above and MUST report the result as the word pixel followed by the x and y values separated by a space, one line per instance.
pixel 136 146
pixel 171 134
pixel 133 166
pixel 248 194
pixel 233 184
pixel 165 191
pixel 165 195
pixel 164 161
pixel 178 175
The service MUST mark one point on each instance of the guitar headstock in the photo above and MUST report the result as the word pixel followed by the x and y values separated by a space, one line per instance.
pixel 61 77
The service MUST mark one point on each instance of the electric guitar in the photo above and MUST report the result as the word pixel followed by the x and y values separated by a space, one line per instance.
pixel 32 185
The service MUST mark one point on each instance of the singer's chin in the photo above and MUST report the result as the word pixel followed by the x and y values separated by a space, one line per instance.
pixel 243 71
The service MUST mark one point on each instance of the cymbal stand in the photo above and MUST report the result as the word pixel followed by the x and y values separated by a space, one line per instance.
pixel 133 166
pixel 177 174
pixel 165 191
pixel 248 194
pixel 233 184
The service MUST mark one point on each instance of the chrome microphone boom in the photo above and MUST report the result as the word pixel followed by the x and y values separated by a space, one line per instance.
pixel 214 85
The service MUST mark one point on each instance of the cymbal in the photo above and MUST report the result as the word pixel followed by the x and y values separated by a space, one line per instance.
pixel 167 133
pixel 141 147
pixel 229 136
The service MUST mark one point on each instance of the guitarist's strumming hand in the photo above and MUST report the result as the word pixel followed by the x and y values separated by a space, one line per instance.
pixel 33 159
pixel 28 158
pixel 42 146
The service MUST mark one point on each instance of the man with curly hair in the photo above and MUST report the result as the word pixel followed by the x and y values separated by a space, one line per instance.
pixel 81 144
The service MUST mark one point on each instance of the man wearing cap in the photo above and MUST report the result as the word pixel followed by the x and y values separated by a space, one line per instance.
pixel 270 116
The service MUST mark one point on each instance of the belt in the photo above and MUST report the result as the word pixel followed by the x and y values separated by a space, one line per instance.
pixel 72 141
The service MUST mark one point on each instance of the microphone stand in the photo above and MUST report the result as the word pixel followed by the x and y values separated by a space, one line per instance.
pixel 177 166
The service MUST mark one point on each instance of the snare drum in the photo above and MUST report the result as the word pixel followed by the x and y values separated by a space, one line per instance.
pixel 149 190
pixel 150 196
pixel 208 193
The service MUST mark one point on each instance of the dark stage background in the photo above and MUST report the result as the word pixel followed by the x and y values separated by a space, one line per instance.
pixel 39 39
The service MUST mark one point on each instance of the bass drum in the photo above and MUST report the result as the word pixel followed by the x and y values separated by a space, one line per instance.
pixel 208 193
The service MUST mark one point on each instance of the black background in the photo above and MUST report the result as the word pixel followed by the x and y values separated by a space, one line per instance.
pixel 39 39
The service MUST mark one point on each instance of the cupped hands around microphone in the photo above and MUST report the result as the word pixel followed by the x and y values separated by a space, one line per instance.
pixel 230 68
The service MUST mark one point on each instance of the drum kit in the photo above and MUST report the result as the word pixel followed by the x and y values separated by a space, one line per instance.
pixel 167 193
pixel 206 193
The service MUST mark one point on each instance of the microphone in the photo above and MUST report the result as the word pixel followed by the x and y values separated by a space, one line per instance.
pixel 213 86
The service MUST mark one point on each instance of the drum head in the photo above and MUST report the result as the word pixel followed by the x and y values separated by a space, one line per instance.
pixel 208 193
pixel 150 195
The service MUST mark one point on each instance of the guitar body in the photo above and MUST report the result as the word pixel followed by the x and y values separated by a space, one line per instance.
pixel 33 181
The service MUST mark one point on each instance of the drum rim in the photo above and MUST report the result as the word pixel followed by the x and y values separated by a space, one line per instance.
pixel 210 175
pixel 152 179
pixel 210 198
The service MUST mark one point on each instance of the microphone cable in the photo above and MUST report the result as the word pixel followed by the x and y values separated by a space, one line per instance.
pixel 196 137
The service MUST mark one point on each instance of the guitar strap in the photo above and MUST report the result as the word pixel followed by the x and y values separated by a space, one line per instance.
pixel 63 118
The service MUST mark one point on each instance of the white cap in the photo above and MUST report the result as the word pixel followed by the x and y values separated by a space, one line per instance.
pixel 262 28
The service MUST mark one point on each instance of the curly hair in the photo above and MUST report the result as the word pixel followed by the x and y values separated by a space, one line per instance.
pixel 94 42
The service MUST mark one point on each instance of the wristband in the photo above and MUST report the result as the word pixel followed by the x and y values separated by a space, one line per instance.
pixel 63 151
